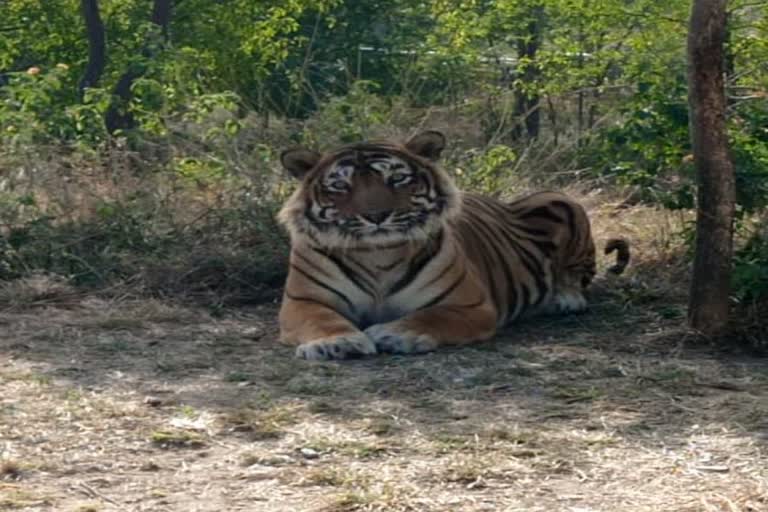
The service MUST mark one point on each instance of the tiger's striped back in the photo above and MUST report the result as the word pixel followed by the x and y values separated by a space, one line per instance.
pixel 526 251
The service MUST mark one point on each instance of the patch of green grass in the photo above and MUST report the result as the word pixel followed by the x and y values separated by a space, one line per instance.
pixel 237 376
pixel 450 442
pixel 327 476
pixel 13 497
pixel 356 449
pixel 384 498
pixel 466 472
pixel 382 426
pixel 574 394
pixel 116 323
pixel 87 507
pixel 671 373
pixel 350 502
pixel 176 438
pixel 263 424
pixel 324 407
pixel 73 395
pixel 37 378
pixel 309 384
pixel 187 411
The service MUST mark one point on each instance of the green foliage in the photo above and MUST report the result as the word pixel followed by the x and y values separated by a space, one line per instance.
pixel 488 171
pixel 343 119
pixel 38 106
pixel 750 273
pixel 648 147
pixel 236 81
pixel 749 142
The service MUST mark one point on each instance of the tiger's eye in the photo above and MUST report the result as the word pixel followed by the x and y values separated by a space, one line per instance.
pixel 399 179
pixel 338 187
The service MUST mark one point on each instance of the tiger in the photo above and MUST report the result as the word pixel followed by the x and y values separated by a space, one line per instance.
pixel 388 256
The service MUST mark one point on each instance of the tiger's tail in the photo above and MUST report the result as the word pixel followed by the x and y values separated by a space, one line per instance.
pixel 621 247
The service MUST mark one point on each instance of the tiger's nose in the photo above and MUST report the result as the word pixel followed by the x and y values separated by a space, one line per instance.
pixel 377 217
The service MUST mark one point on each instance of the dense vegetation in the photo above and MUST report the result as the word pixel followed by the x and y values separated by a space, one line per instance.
pixel 156 166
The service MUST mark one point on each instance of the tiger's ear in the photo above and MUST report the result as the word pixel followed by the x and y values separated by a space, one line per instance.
pixel 428 144
pixel 299 161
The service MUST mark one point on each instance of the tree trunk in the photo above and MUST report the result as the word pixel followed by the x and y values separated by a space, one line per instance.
pixel 118 117
pixel 710 288
pixel 161 16
pixel 553 120
pixel 96 46
pixel 527 110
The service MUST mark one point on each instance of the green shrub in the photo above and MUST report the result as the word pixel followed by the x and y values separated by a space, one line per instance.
pixel 750 269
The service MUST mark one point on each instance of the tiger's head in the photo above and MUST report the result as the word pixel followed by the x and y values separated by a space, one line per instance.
pixel 370 193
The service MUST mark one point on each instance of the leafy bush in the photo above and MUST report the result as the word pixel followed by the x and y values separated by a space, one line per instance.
pixel 750 273
pixel 488 171
pixel 646 148
pixel 189 213
pixel 38 106
pixel 360 114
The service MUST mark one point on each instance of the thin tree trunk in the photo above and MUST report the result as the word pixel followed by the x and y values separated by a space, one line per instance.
pixel 161 16
pixel 527 110
pixel 117 116
pixel 710 288
pixel 553 120
pixel 96 46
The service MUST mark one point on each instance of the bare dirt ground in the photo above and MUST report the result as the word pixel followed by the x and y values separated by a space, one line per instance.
pixel 143 405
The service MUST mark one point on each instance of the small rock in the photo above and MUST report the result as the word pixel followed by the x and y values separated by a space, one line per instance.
pixel 309 453
pixel 253 333
pixel 153 401
pixel 149 466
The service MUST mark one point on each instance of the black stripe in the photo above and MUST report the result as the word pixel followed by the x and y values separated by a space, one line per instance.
pixel 422 258
pixel 373 248
pixel 484 255
pixel 445 271
pixel 531 262
pixel 497 209
pixel 324 286
pixel 569 213
pixel 543 212
pixel 511 290
pixel 526 294
pixel 478 302
pixel 350 274
pixel 300 298
pixel 444 294
pixel 386 268
pixel 536 269
pixel 311 263
pixel 545 246
pixel 531 231
pixel 362 267
pixel 519 205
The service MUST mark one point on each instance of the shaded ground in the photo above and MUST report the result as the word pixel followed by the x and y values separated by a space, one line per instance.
pixel 123 405
pixel 146 406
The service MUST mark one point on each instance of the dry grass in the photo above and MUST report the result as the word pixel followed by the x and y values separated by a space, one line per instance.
pixel 113 403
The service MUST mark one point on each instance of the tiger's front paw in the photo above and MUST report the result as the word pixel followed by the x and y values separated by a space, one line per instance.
pixel 570 301
pixel 338 347
pixel 390 339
